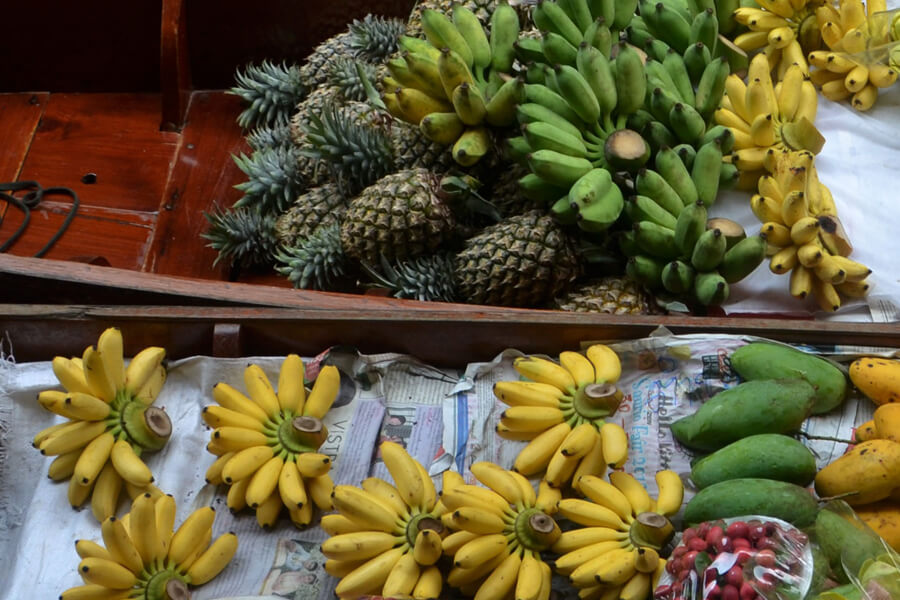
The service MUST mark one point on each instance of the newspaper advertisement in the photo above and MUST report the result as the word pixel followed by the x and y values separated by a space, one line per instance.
pixel 445 418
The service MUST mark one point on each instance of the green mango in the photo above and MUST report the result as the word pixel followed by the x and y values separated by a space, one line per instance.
pixel 765 455
pixel 845 540
pixel 752 496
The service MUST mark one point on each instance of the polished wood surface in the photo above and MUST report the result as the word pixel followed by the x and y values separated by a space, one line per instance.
pixel 175 65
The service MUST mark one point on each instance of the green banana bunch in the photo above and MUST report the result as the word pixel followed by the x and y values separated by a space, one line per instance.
pixel 682 23
pixel 673 246
pixel 456 84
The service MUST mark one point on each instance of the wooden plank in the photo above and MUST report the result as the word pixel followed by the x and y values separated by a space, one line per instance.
pixel 19 117
pixel 440 334
pixel 175 65
pixel 115 237
pixel 116 137
pixel 202 180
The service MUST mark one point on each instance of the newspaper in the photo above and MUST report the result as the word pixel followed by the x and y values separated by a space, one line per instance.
pixel 444 417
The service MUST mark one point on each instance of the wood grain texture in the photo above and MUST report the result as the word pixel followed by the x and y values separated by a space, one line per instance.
pixel 175 65
pixel 202 180
pixel 19 117
pixel 114 136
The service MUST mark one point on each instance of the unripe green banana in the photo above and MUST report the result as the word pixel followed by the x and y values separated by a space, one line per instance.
pixel 729 176
pixel 469 27
pixel 742 258
pixel 672 26
pixel 656 49
pixel 600 37
pixel 419 46
pixel 658 76
pixel 500 110
pixel 673 170
pixel 471 146
pixel 544 136
pixel 598 200
pixel 558 21
pixel 534 73
pixel 652 184
pixel 661 103
pixel 557 168
pixel 696 57
pixel 631 80
pixel 543 95
pixel 578 93
pixel 725 15
pixel 721 133
pixel 468 102
pixel 674 65
pixel 441 33
pixel 597 71
pixel 504 32
pixel 659 136
pixel 557 49
pixel 564 211
pixel 710 288
pixel 442 128
pixel 709 250
pixel 711 87
pixel 627 243
pixel 516 148
pixel 639 120
pixel 678 277
pixel 578 11
pixel 642 209
pixel 686 123
pixel 529 50
pixel 705 171
pixel 705 29
pixel 605 9
pixel 689 226
pixel 656 240
pixel 530 112
pixel 687 153
pixel 535 188
pixel 646 270
pixel 623 14
pixel 425 70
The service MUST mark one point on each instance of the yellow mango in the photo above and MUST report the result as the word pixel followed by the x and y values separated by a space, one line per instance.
pixel 884 518
pixel 869 472
pixel 865 432
pixel 887 421
pixel 877 378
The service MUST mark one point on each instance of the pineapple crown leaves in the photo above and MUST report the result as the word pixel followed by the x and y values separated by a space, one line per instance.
pixel 271 90
pixel 316 261
pixel 375 38
pixel 359 154
pixel 242 236
pixel 428 278
pixel 349 75
pixel 273 179
pixel 269 136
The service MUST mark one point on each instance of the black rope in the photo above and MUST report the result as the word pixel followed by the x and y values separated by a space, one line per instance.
pixel 32 198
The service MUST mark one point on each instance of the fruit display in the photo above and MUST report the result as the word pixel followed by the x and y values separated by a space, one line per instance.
pixel 266 443
pixel 562 409
pixel 110 421
pixel 877 378
pixel 144 555
pixel 386 539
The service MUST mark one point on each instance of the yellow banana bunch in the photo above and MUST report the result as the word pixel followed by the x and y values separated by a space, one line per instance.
pixel 144 555
pixel 266 442
pixel 784 31
pixel 450 84
pixel 386 539
pixel 803 234
pixel 857 63
pixel 561 409
pixel 499 534
pixel 768 119
pixel 616 549
pixel 109 422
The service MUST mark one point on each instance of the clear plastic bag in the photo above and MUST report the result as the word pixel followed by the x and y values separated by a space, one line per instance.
pixel 741 558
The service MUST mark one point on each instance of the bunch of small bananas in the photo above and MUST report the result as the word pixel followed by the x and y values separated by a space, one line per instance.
pixel 615 554
pixel 766 119
pixel 803 234
pixel 857 65
pixel 450 84
pixel 385 539
pixel 499 535
pixel 144 556
pixel 691 28
pixel 561 409
pixel 785 30
pixel 109 422
pixel 267 443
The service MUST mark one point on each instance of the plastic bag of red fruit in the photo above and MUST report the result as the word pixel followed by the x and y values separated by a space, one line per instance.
pixel 741 558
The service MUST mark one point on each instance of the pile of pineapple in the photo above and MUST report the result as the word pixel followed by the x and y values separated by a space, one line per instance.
pixel 556 154
pixel 339 191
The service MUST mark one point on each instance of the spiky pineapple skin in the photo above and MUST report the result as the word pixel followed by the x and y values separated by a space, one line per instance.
pixel 322 205
pixel 608 295
pixel 523 261
pixel 314 70
pixel 400 216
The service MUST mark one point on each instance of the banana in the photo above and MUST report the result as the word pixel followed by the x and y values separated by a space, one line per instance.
pixel 504 32
pixel 800 281
pixel 671 493
pixel 596 69
pixel 106 573
pixel 416 105
pixel 674 171
pixel 542 370
pixel 560 469
pixel 386 492
pixel 469 27
pixel 531 418
pixel 826 295
pixel 535 457
pixel 545 136
pixel 631 80
pixel 500 109
pixel 528 393
pixel 589 514
pixel 62 467
pixel 244 463
pixel 70 375
pixel 76 493
pixel 427 548
pixel 336 524
pixel 442 127
pixel 82 407
pixel 260 390
pixel 535 109
pixel 105 494
pixel 547 498
pixel 313 464
pixel 190 535
pixel 655 239
pixel 211 562
pixel 678 277
pixel 618 568
pixel 93 458
pixel 854 271
pixel 236 499
pixel 784 260
pixel 710 288
pixel 632 489
pixel 557 49
pixel 579 441
pixel 471 146
pixel 742 258
pixel 480 550
pixel 530 578
pixel 324 392
pixel 237 438
pixel 320 490
pixel 502 579
pixel 359 545
pixel 580 563
pixel 66 440
pixel 705 171
pixel 405 473
pixel 263 482
pixel 230 398
pixel 119 545
pixel 453 71
pixel 142 367
pixel 477 521
pixel 95 374
pixel 578 93
pixel 605 494
pixel 581 537
pixel 557 21
pixel 366 509
pixel 402 577
pixel 442 33
pixel 469 104
pixel 143 529
pixel 499 480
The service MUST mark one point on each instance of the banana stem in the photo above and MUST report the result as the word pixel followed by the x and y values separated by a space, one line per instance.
pixel 147 426
pixel 177 590
pixel 303 434
pixel 651 529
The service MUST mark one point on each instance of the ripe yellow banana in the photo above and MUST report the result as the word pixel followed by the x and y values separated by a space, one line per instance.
pixel 429 584
pixel 211 562
pixel 618 568
pixel 528 393
pixel 106 573
pixel 105 494
pixel 560 469
pixel 579 367
pixel 190 535
pixel 606 494
pixel 368 578
pixel 614 442
pixel 579 441
pixel 531 418
pixel 388 493
pixel 366 509
pixel 671 492
pixel 358 545
pixel 402 578
pixel 535 456
pixel 93 458
pixel 427 548
pixel 542 370
pixel 142 367
pixel 70 375
pixel 502 579
pixel 632 489
pixel 264 482
pixel 324 392
pixel 405 473
pixel 129 465
pixel 479 550
pixel 230 398
pixel 260 390
pixel 120 546
pixel 607 366
pixel 589 514
pixel 574 539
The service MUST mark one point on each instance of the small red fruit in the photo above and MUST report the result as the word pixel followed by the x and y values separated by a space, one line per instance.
pixel 731 592
pixel 747 592
pixel 698 544
pixel 714 534
pixel 724 544
pixel 741 542
pixel 765 558
pixel 735 576
pixel 738 529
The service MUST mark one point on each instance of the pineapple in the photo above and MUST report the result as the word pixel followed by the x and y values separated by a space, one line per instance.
pixel 412 149
pixel 314 71
pixel 242 236
pixel 506 195
pixel 322 205
pixel 273 179
pixel 611 295
pixel 523 261
pixel 342 74
pixel 271 91
pixel 374 38
pixel 269 136
pixel 402 215
pixel 316 262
